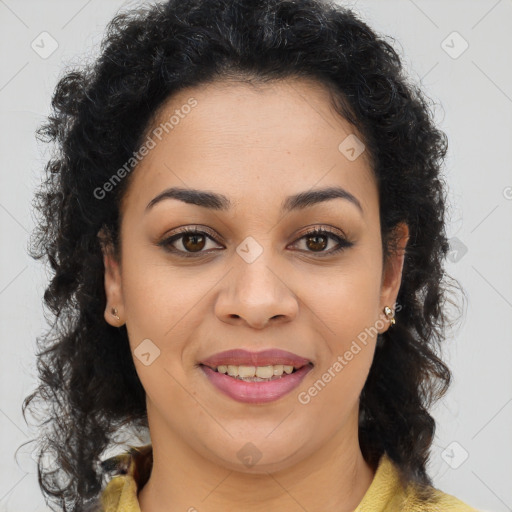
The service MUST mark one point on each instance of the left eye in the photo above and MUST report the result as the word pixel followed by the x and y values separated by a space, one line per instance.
pixel 194 241
pixel 319 238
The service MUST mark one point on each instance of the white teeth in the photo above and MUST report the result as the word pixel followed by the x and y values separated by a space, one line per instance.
pixel 278 369
pixel 262 372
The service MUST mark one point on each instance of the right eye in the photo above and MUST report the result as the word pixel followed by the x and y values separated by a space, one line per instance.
pixel 192 241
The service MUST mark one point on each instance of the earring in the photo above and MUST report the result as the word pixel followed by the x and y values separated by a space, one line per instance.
pixel 113 312
pixel 389 313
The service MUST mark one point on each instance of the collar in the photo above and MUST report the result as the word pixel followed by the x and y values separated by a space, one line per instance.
pixel 131 472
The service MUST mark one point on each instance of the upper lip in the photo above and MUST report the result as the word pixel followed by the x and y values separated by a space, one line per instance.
pixel 241 357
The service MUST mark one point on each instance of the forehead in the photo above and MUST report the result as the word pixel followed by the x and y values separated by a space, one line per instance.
pixel 241 139
pixel 291 110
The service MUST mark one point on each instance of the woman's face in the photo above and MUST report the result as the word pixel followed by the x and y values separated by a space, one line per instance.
pixel 252 278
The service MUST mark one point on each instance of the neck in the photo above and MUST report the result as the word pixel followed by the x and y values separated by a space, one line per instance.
pixel 334 477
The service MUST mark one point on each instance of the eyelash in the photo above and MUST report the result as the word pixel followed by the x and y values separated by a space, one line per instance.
pixel 167 242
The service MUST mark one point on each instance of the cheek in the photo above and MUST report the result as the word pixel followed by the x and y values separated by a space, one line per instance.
pixel 156 294
pixel 152 318
pixel 163 310
pixel 334 394
pixel 348 315
pixel 347 306
pixel 347 301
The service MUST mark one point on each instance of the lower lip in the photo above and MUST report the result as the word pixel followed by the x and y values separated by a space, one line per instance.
pixel 256 392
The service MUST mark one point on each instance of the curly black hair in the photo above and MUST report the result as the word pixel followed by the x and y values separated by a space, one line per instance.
pixel 101 111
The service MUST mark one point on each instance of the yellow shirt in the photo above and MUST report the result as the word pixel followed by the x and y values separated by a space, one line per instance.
pixel 385 493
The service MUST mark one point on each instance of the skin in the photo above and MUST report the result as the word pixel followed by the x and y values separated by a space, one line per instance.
pixel 256 145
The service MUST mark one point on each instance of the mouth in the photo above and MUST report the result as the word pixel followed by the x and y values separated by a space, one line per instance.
pixel 256 377
pixel 250 373
pixel 256 385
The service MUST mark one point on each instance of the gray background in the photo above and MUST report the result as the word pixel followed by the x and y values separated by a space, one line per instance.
pixel 472 452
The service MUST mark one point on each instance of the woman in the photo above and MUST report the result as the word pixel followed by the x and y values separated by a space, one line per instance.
pixel 245 220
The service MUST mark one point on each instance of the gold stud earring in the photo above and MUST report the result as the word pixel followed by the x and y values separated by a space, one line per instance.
pixel 113 312
pixel 389 313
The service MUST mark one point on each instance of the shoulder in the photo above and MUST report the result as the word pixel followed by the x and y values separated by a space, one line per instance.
pixel 438 501
pixel 387 494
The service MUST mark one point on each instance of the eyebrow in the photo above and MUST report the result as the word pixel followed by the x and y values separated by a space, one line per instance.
pixel 220 202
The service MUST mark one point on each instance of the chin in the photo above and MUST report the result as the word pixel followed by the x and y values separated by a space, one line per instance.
pixel 254 458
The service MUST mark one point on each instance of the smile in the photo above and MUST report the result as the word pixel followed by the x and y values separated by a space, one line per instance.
pixel 252 384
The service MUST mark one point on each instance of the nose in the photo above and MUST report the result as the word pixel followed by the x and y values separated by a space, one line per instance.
pixel 254 294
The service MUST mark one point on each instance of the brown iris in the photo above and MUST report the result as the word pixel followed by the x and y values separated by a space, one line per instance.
pixel 190 242
pixel 316 245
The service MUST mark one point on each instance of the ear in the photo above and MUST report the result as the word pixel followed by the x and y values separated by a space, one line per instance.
pixel 392 271
pixel 112 281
